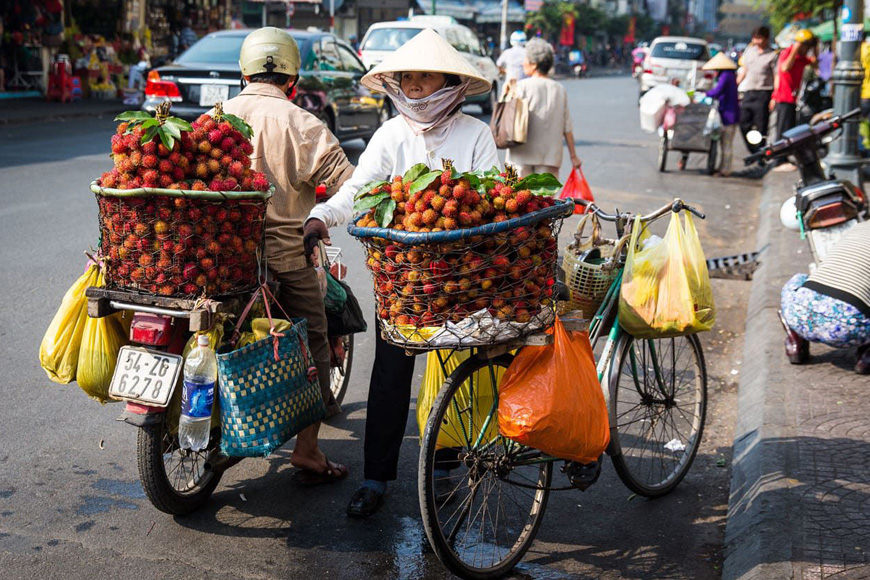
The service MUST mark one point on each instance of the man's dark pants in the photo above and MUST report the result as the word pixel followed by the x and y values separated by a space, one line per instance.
pixel 786 118
pixel 755 112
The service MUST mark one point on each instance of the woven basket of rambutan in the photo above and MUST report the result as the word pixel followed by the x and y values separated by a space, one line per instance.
pixel 182 214
pixel 461 260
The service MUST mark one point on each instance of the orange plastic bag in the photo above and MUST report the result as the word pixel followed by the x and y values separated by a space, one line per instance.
pixel 576 187
pixel 550 399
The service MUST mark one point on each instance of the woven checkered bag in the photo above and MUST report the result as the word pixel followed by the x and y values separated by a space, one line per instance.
pixel 269 390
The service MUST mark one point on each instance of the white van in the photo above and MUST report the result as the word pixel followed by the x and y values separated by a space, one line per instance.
pixel 676 59
pixel 383 38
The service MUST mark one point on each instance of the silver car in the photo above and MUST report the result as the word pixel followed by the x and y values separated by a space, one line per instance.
pixel 676 60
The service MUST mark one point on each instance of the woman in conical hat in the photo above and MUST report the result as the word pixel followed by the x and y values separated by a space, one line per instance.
pixel 427 81
pixel 725 92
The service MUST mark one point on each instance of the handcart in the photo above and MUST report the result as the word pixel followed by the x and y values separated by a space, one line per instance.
pixel 687 130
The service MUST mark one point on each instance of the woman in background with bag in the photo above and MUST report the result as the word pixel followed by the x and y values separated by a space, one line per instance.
pixel 548 116
pixel 725 92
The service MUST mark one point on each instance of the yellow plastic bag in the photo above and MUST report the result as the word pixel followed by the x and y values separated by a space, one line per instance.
pixel 101 342
pixel 451 434
pixel 666 287
pixel 550 399
pixel 59 350
pixel 215 336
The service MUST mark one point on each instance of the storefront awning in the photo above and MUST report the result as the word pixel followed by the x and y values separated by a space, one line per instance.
pixel 481 11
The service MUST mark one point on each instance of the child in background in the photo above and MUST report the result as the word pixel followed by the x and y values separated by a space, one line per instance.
pixel 725 92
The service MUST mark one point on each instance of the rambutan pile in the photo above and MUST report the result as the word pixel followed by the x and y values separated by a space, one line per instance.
pixel 213 153
pixel 186 245
pixel 510 274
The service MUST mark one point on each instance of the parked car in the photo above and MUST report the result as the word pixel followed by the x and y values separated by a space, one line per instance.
pixel 676 59
pixel 329 81
pixel 382 38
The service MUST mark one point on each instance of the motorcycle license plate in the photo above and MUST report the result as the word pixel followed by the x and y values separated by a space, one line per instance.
pixel 211 94
pixel 145 376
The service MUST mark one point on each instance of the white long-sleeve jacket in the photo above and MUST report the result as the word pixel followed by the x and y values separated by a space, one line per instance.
pixel 394 148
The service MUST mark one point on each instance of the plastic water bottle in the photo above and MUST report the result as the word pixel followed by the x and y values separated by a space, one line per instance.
pixel 197 397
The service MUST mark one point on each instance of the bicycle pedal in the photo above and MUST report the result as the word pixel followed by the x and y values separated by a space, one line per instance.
pixel 582 475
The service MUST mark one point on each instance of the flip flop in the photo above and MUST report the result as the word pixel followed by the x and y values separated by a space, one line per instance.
pixel 329 474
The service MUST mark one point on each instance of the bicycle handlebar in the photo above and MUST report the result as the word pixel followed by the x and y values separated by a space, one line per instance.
pixel 676 206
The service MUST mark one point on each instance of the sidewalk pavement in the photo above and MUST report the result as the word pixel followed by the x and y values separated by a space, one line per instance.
pixel 799 506
pixel 35 110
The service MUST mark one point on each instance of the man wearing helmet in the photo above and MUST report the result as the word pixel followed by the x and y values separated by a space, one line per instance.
pixel 296 152
pixel 510 63
pixel 790 71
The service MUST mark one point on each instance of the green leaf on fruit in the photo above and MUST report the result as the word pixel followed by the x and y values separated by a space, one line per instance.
pixel 134 116
pixel 149 134
pixel 166 138
pixel 415 172
pixel 180 123
pixel 384 212
pixel 369 202
pixel 545 184
pixel 173 130
pixel 239 125
pixel 473 178
pixel 424 181
pixel 368 189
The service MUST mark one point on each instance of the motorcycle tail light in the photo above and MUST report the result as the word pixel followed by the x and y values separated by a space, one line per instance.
pixel 828 214
pixel 860 195
pixel 151 329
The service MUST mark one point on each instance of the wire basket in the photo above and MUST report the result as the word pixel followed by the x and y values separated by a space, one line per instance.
pixel 588 274
pixel 180 243
pixel 464 288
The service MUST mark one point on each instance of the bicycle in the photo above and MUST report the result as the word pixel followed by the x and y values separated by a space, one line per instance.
pixel 483 496
pixel 340 347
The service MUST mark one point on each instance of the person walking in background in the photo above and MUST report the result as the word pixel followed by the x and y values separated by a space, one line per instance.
pixel 187 37
pixel 789 75
pixel 826 63
pixel 510 62
pixel 755 80
pixel 548 116
pixel 725 92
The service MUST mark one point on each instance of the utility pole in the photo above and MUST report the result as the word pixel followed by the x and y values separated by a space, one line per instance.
pixel 847 76
pixel 504 15
pixel 434 7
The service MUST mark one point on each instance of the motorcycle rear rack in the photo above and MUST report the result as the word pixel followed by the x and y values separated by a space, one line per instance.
pixel 104 302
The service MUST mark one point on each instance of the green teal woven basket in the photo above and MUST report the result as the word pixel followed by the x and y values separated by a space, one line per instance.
pixel 265 401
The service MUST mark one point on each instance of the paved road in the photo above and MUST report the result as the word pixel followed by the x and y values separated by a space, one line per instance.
pixel 70 502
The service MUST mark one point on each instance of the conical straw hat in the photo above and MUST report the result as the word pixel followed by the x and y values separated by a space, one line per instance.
pixel 719 62
pixel 427 52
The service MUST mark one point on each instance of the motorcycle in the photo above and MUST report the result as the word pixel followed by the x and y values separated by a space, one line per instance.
pixel 148 379
pixel 578 64
pixel 823 207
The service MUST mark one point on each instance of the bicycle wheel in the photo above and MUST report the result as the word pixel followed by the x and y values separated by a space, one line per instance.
pixel 712 157
pixel 658 403
pixel 484 519
pixel 663 152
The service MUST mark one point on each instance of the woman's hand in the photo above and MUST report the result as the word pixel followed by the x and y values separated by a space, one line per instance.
pixel 575 161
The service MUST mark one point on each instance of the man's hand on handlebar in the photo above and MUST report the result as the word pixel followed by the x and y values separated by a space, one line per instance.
pixel 313 232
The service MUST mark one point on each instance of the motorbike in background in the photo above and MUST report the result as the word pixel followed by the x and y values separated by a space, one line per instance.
pixel 577 62
pixel 823 207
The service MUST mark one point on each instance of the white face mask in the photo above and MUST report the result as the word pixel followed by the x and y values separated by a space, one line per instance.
pixel 426 113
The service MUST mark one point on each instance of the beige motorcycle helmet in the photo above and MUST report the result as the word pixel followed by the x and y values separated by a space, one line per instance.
pixel 269 50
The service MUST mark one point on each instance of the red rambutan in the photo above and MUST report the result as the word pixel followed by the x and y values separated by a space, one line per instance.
pixel 163 151
pixel 149 148
pixel 199 185
pixel 165 180
pixel 149 160
pixel 236 169
pixel 259 182
pixel 122 128
pixel 151 178
pixel 178 174
pixel 247 147
pixel 215 137
pixel 214 166
pixel 227 144
pixel 118 144
pixel 216 185
pixel 165 166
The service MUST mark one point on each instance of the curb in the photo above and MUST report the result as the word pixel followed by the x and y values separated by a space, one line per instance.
pixel 759 527
pixel 37 118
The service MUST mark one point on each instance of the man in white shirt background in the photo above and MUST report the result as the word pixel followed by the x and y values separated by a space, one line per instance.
pixel 510 62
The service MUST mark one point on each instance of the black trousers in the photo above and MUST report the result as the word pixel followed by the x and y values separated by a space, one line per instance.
pixel 387 410
pixel 755 112
pixel 387 413
pixel 786 118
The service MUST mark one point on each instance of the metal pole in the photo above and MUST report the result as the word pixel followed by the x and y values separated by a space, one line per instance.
pixel 847 76
pixel 504 14
pixel 434 8
pixel 264 14
pixel 332 16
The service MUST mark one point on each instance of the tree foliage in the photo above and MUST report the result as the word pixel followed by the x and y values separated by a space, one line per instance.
pixel 782 12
